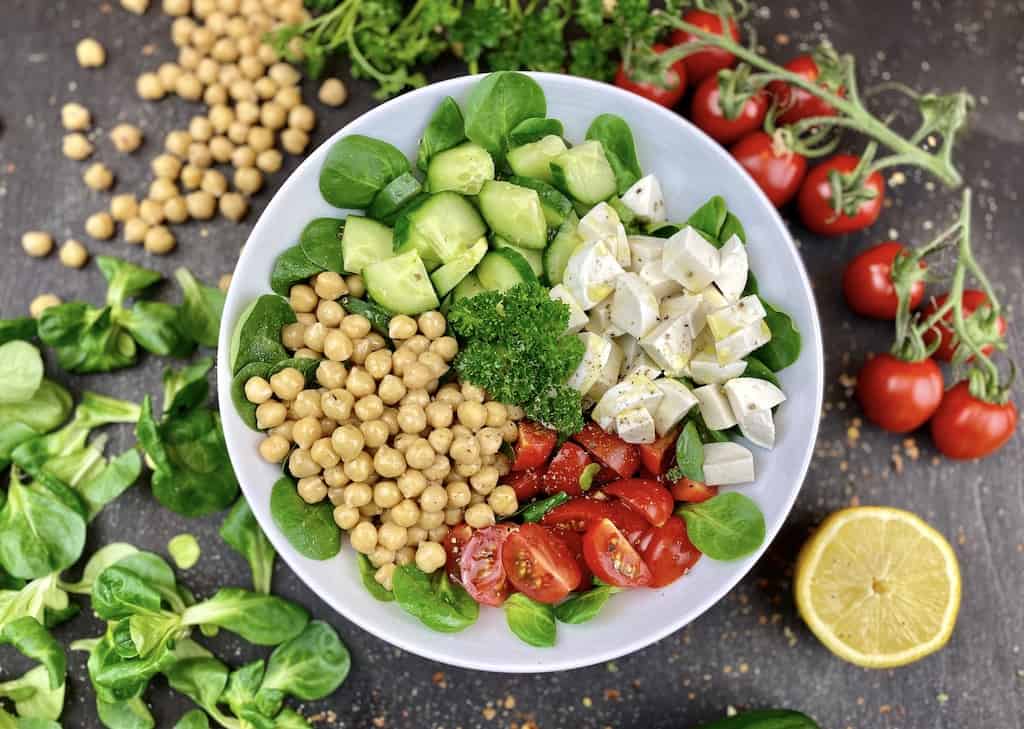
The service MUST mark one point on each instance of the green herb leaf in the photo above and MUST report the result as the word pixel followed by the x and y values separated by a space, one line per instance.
pixel 260 619
pixel 690 452
pixel 438 603
pixel 195 719
pixel 616 138
pixel 535 512
pixel 784 347
pixel 24 328
pixel 356 169
pixel 35 702
pixel 709 218
pixel 725 527
pixel 584 606
pixel 444 131
pixel 290 268
pixel 366 575
pixel 243 534
pixel 757 368
pixel 309 528
pixel 321 243
pixel 257 334
pixel 531 621
pixel 310 666
pixel 30 638
pixel 202 308
pixel 497 104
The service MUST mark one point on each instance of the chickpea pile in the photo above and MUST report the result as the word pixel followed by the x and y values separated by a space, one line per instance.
pixel 400 457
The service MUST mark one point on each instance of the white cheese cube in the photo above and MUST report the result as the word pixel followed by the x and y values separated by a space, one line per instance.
pixel 742 342
pixel 713 299
pixel 670 345
pixel 602 223
pixel 634 307
pixel 726 464
pixel 749 394
pixel 733 268
pixel 577 317
pixel 635 392
pixel 646 263
pixel 590 274
pixel 596 351
pixel 631 349
pixel 635 426
pixel 608 407
pixel 609 374
pixel 643 365
pixel 600 320
pixel 714 407
pixel 690 259
pixel 688 307
pixel 748 310
pixel 758 427
pixel 676 402
pixel 705 368
pixel 645 199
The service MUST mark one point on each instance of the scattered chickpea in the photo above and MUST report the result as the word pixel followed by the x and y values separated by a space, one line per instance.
pixel 77 147
pixel 221 149
pixel 151 211
pixel 73 254
pixel 199 155
pixel 162 189
pixel 201 205
pixel 100 226
pixel 37 243
pixel 149 87
pixel 233 206
pixel 159 240
pixel 175 210
pixel 135 230
pixel 98 177
pixel 214 182
pixel 41 303
pixel 188 87
pixel 168 73
pixel 75 117
pixel 177 143
pixel 135 6
pixel 294 141
pixel 90 53
pixel 177 7
pixel 248 180
pixel 124 207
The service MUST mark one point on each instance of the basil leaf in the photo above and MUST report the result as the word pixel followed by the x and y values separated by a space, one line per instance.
pixel 585 606
pixel 757 368
pixel 366 574
pixel 731 227
pixel 725 527
pixel 531 621
pixel 784 347
pixel 438 603
pixel 690 452
pixel 709 218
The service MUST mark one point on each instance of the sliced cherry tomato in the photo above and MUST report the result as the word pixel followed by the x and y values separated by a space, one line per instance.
pixel 609 449
pixel 796 102
pixel 480 567
pixel 605 475
pixel 565 469
pixel 645 497
pixel 972 299
pixel 814 201
pixel 897 395
pixel 579 515
pixel 692 492
pixel 868 285
pixel 706 113
pixel 539 564
pixel 667 95
pixel 776 170
pixel 612 558
pixel 668 552
pixel 655 457
pixel 453 544
pixel 574 542
pixel 965 427
pixel 526 484
pixel 709 61
pixel 534 445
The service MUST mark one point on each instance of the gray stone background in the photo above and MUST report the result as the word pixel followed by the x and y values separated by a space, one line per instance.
pixel 751 650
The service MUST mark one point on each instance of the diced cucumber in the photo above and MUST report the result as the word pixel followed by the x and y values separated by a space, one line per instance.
pixel 401 284
pixel 469 286
pixel 532 256
pixel 439 228
pixel 364 242
pixel 556 205
pixel 395 195
pixel 450 274
pixel 557 254
pixel 461 169
pixel 504 268
pixel 534 159
pixel 583 173
pixel 514 213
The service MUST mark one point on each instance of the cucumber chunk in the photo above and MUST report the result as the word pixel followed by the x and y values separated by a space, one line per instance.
pixel 364 242
pixel 534 159
pixel 469 286
pixel 439 228
pixel 450 274
pixel 532 256
pixel 514 213
pixel 504 268
pixel 396 194
pixel 583 173
pixel 557 254
pixel 556 205
pixel 401 284
pixel 461 169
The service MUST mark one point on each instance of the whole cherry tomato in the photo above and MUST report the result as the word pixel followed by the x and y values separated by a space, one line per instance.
pixel 609 449
pixel 776 170
pixel 692 492
pixel 708 61
pixel 815 199
pixel 612 558
pixel 707 114
pixel 533 446
pixel 565 469
pixel 798 103
pixel 668 552
pixel 971 300
pixel 667 95
pixel 539 564
pixel 645 497
pixel 655 457
pixel 965 427
pixel 897 395
pixel 480 568
pixel 868 285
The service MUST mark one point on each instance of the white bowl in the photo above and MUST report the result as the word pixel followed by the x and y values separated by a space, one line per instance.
pixel 691 168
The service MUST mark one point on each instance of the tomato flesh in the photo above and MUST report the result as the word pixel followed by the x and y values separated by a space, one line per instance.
pixel 706 112
pixel 574 543
pixel 453 544
pixel 965 427
pixel 609 449
pixel 526 484
pixel 667 95
pixel 778 172
pixel 579 515
pixel 655 457
pixel 533 446
pixel 480 565
pixel 692 492
pixel 709 61
pixel 645 497
pixel 897 395
pixel 668 552
pixel 868 286
pixel 565 469
pixel 971 300
pixel 814 201
pixel 796 102
pixel 612 558
pixel 539 564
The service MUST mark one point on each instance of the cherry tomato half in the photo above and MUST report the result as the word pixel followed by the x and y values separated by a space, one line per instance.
pixel 796 102
pixel 609 449
pixel 692 492
pixel 897 395
pixel 868 286
pixel 667 95
pixel 579 515
pixel 778 172
pixel 668 552
pixel 965 427
pixel 480 567
pixel 612 558
pixel 565 469
pixel 539 564
pixel 526 484
pixel 574 542
pixel 707 114
pixel 814 200
pixel 534 445
pixel 655 457
pixel 645 497
pixel 971 300
pixel 709 61
pixel 453 544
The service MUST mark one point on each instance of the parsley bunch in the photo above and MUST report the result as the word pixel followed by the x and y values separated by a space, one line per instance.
pixel 515 346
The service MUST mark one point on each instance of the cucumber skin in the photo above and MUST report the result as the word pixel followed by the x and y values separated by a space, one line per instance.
pixel 380 278
pixel 764 719
pixel 557 254
pixel 505 257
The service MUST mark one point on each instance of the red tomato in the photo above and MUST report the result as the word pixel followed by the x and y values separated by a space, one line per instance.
pixel 480 567
pixel 692 492
pixel 815 199
pixel 797 103
pixel 612 558
pixel 655 457
pixel 453 544
pixel 605 475
pixel 579 515
pixel 667 95
pixel 645 497
pixel 539 564
pixel 534 445
pixel 777 171
pixel 708 115
pixel 526 484
pixel 868 286
pixel 972 299
pixel 897 395
pixel 574 542
pixel 565 469
pixel 668 552
pixel 709 61
pixel 609 449
pixel 965 427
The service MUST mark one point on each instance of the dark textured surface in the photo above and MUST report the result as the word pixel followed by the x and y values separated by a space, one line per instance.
pixel 751 649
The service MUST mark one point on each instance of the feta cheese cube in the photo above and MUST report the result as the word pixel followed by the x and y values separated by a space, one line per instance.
pixel 688 307
pixel 645 199
pixel 609 374
pixel 643 365
pixel 690 259
pixel 635 426
pixel 749 394
pixel 748 310
pixel 596 351
pixel 714 407
pixel 646 263
pixel 726 464
pixel 733 268
pixel 742 342
pixel 713 299
pixel 600 320
pixel 577 317
pixel 634 307
pixel 635 392
pixel 676 402
pixel 705 368
pixel 670 345
pixel 590 274
pixel 758 427
pixel 602 223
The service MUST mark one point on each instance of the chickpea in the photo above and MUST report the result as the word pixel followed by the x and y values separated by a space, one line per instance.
pixel 274 448
pixel 199 155
pixel 214 182
pixel 100 226
pixel 177 7
pixel 445 347
pixel 73 254
pixel 90 53
pixel 358 495
pixel 369 407
pixel 335 493
pixel 302 298
pixel 288 383
pixel 188 86
pixel 284 430
pixel 336 345
pixel 490 441
pixel 260 139
pixel 378 363
pixel 312 489
pixel 450 394
pixel 238 132
pixel 175 210
pixel 75 117
pixel 241 89
pixel 510 432
pixel 416 535
pixel 432 324
pixel 472 392
pixel 221 149
pixel 330 375
pixel 412 483
pixel 393 536
pixel 461 431
pixel 465 450
pixel 348 442
pixel 434 498
pixel 359 382
pixel 162 189
pixel 98 177
pixel 37 243
pixel 76 146
pixel 405 555
pixel 439 469
pixel 294 141
pixel 248 180
pixel 363 537
pixel 458 494
pixel 355 326
pixel 306 353
pixel 301 464
pixel 257 390
pixel 215 94
pixel 233 206
pixel 376 434
pixel 467 470
pixel 390 419
pixel 503 501
pixel 416 398
pixel 391 389
pixel 329 286
pixel 418 344
pixel 293 335
pixel 135 6
pixel 497 414
pixel 41 303
pixel 412 419
pixel 401 327
pixel 191 178
pixel 479 516
pixel 386 494
pixel 359 468
pixel 332 92
pixel 315 336
pixel 135 230
pixel 401 359
pixel 337 403
pixel 452 517
pixel 123 207
pixel 356 286
pixel 346 517
pixel 200 205
pixel 323 453
pixel 440 440
pixel 306 432
pixel 302 117
pixel 484 480
pixel 149 88
pixel 181 28
pixel 430 557
pixel 472 414
pixel 416 376
pixel 307 405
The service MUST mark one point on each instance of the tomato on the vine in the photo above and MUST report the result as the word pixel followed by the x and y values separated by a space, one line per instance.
pixel 868 284
pixel 480 566
pixel 897 395
pixel 612 558
pixel 776 170
pixel 609 449
pixel 692 492
pixel 539 564
pixel 668 552
pixel 707 61
pixel 815 198
pixel 667 95
pixel 644 496
pixel 797 103
pixel 707 113
pixel 533 446
pixel 971 300
pixel 966 427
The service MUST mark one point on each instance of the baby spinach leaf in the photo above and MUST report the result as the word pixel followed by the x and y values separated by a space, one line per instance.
pixel 497 104
pixel 310 666
pixel 356 168
pixel 706 434
pixel 156 573
pixel 34 641
pixel 366 575
pixel 444 131
pixel 119 592
pixel 690 452
pixel 584 606
pixel 784 347
pixel 751 287
pixel 130 714
pixel 731 227
pixel 534 129
pixel 616 138
pixel 21 328
pixel 725 527
pixel 260 619
pixel 531 621
pixel 378 316
pixel 243 534
pixel 201 309
pixel 388 204
pixel 21 371
pixel 757 368
pixel 102 558
pixel 157 327
pixel 309 528
pixel 85 339
pixel 186 388
pixel 290 268
pixel 438 603
pixel 195 719
pixel 321 243
pixel 125 280
pixel 33 697
pixel 257 335
pixel 665 230
pixel 709 218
